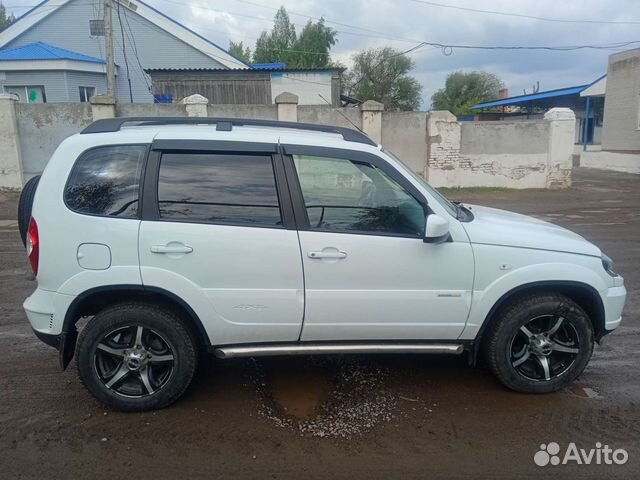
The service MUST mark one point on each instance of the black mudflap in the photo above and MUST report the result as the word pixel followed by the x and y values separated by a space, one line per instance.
pixel 67 347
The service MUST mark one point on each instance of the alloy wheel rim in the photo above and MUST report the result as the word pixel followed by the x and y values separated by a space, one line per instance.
pixel 545 347
pixel 134 361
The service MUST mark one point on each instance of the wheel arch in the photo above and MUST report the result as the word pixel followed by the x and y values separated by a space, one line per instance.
pixel 93 300
pixel 583 294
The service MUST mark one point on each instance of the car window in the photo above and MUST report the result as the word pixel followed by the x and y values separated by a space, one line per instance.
pixel 214 188
pixel 353 196
pixel 440 198
pixel 106 181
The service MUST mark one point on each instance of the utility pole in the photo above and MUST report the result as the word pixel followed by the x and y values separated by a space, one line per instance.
pixel 108 44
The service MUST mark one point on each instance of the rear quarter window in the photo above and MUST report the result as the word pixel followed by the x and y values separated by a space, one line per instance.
pixel 105 181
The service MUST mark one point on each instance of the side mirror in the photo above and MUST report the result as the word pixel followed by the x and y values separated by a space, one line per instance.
pixel 436 230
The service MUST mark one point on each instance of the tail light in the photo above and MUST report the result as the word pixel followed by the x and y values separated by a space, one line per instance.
pixel 33 245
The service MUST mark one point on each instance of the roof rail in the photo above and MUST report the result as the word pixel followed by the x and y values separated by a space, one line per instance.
pixel 223 124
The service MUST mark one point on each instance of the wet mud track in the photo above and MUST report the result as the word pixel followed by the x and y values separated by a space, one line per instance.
pixel 335 417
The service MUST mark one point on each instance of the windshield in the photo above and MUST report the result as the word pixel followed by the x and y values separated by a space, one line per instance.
pixel 441 199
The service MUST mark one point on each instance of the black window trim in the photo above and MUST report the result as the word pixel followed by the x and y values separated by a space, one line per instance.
pixel 302 217
pixel 150 205
pixel 145 159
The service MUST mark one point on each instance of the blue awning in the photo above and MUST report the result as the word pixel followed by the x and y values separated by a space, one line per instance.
pixel 561 92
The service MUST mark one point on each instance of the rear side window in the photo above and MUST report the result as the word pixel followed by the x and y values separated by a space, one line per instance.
pixel 106 181
pixel 218 188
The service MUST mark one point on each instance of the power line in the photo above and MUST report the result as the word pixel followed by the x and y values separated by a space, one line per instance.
pixel 311 17
pixel 447 49
pixel 124 52
pixel 132 40
pixel 530 17
pixel 379 64
pixel 386 35
pixel 160 30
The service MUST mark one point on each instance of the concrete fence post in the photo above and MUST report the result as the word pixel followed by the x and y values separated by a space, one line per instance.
pixel 372 119
pixel 443 149
pixel 11 176
pixel 102 106
pixel 562 126
pixel 196 105
pixel 287 107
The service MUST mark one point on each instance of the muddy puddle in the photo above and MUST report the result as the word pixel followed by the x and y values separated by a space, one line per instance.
pixel 324 396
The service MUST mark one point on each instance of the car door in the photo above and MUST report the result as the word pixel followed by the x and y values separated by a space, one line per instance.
pixel 218 232
pixel 368 273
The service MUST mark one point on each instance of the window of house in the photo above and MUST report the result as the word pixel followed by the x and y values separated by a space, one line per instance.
pixel 106 181
pixel 86 93
pixel 218 188
pixel 27 93
pixel 353 196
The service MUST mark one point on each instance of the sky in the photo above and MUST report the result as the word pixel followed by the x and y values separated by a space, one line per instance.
pixel 403 24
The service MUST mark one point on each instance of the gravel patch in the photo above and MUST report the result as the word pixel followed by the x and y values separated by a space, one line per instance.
pixel 358 402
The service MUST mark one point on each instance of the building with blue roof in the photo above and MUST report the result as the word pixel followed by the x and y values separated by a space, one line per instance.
pixel 56 51
pixel 587 108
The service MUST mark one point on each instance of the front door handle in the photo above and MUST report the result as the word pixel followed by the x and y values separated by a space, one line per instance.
pixel 327 254
pixel 171 248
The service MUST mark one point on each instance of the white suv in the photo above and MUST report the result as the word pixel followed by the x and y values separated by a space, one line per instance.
pixel 247 238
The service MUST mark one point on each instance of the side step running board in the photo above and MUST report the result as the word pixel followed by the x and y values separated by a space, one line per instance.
pixel 331 349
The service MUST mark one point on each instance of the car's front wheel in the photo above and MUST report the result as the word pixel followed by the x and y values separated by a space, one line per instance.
pixel 539 343
pixel 136 356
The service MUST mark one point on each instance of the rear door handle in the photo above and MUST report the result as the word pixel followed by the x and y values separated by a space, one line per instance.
pixel 330 254
pixel 175 248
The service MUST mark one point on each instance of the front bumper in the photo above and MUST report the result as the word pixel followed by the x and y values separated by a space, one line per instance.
pixel 614 299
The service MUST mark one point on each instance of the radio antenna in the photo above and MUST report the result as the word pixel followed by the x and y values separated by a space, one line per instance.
pixel 343 115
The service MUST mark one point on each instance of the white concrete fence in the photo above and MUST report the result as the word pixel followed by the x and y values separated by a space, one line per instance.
pixel 513 154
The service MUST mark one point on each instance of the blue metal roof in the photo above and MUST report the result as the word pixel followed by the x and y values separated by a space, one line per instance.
pixel 530 98
pixel 44 51
pixel 268 66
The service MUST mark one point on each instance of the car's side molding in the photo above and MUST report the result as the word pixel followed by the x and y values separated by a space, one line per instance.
pixel 328 348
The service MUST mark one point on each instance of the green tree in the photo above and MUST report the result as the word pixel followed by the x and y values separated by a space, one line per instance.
pixel 282 44
pixel 238 50
pixel 273 46
pixel 463 90
pixel 5 20
pixel 382 74
pixel 313 46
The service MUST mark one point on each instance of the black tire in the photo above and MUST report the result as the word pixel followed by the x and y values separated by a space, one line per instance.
pixel 164 331
pixel 517 358
pixel 25 204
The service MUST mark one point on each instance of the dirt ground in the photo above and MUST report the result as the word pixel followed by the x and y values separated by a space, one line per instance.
pixel 337 417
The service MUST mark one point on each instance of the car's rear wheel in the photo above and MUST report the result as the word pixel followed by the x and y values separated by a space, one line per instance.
pixel 136 356
pixel 539 343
